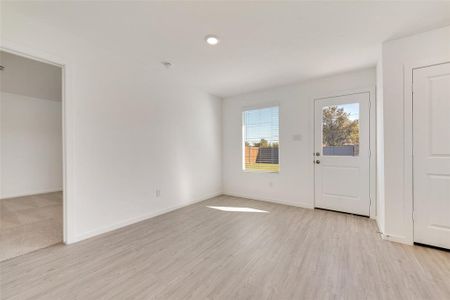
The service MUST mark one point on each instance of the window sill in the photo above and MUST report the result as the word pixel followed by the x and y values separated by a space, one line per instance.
pixel 261 171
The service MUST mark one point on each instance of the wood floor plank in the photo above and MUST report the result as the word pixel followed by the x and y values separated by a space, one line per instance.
pixel 199 252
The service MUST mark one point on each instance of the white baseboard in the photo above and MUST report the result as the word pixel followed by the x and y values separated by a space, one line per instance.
pixel 30 193
pixel 297 204
pixel 397 239
pixel 131 221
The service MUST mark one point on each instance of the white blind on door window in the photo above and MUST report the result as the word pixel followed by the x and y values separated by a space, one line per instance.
pixel 261 139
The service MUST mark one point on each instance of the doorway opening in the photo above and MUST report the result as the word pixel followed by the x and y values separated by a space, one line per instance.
pixel 31 190
pixel 431 159
pixel 342 153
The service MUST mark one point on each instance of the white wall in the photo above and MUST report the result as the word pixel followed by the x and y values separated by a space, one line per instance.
pixel 294 184
pixel 398 55
pixel 31 145
pixel 380 145
pixel 130 130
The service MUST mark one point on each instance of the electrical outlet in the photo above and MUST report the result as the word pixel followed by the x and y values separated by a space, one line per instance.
pixel 158 193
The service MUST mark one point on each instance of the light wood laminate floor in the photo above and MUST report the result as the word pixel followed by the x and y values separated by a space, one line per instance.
pixel 29 223
pixel 264 251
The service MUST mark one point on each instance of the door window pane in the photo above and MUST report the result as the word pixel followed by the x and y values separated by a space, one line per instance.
pixel 340 130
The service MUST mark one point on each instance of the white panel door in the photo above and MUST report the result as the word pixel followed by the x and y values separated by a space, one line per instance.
pixel 342 154
pixel 431 162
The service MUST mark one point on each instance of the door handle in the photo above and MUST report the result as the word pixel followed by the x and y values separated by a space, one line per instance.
pixel 318 162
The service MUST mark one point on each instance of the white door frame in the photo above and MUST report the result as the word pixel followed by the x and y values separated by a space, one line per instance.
pixel 372 140
pixel 408 189
pixel 67 127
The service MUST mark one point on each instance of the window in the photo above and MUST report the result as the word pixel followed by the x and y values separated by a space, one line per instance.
pixel 340 130
pixel 260 137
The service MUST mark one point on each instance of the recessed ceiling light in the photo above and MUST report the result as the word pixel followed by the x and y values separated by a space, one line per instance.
pixel 212 39
pixel 166 64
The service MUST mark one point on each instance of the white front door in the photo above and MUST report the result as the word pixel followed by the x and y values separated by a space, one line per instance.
pixel 342 154
pixel 431 155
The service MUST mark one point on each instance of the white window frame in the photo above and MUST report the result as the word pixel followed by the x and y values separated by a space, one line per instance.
pixel 247 108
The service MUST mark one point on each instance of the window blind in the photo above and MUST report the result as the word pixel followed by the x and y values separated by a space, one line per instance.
pixel 261 139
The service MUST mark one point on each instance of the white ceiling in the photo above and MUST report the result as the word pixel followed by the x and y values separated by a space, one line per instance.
pixel 30 78
pixel 263 44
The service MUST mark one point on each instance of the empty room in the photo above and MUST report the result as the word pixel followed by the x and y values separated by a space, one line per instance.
pixel 225 150
pixel 31 155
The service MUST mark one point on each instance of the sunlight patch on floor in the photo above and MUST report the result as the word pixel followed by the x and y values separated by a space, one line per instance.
pixel 238 209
